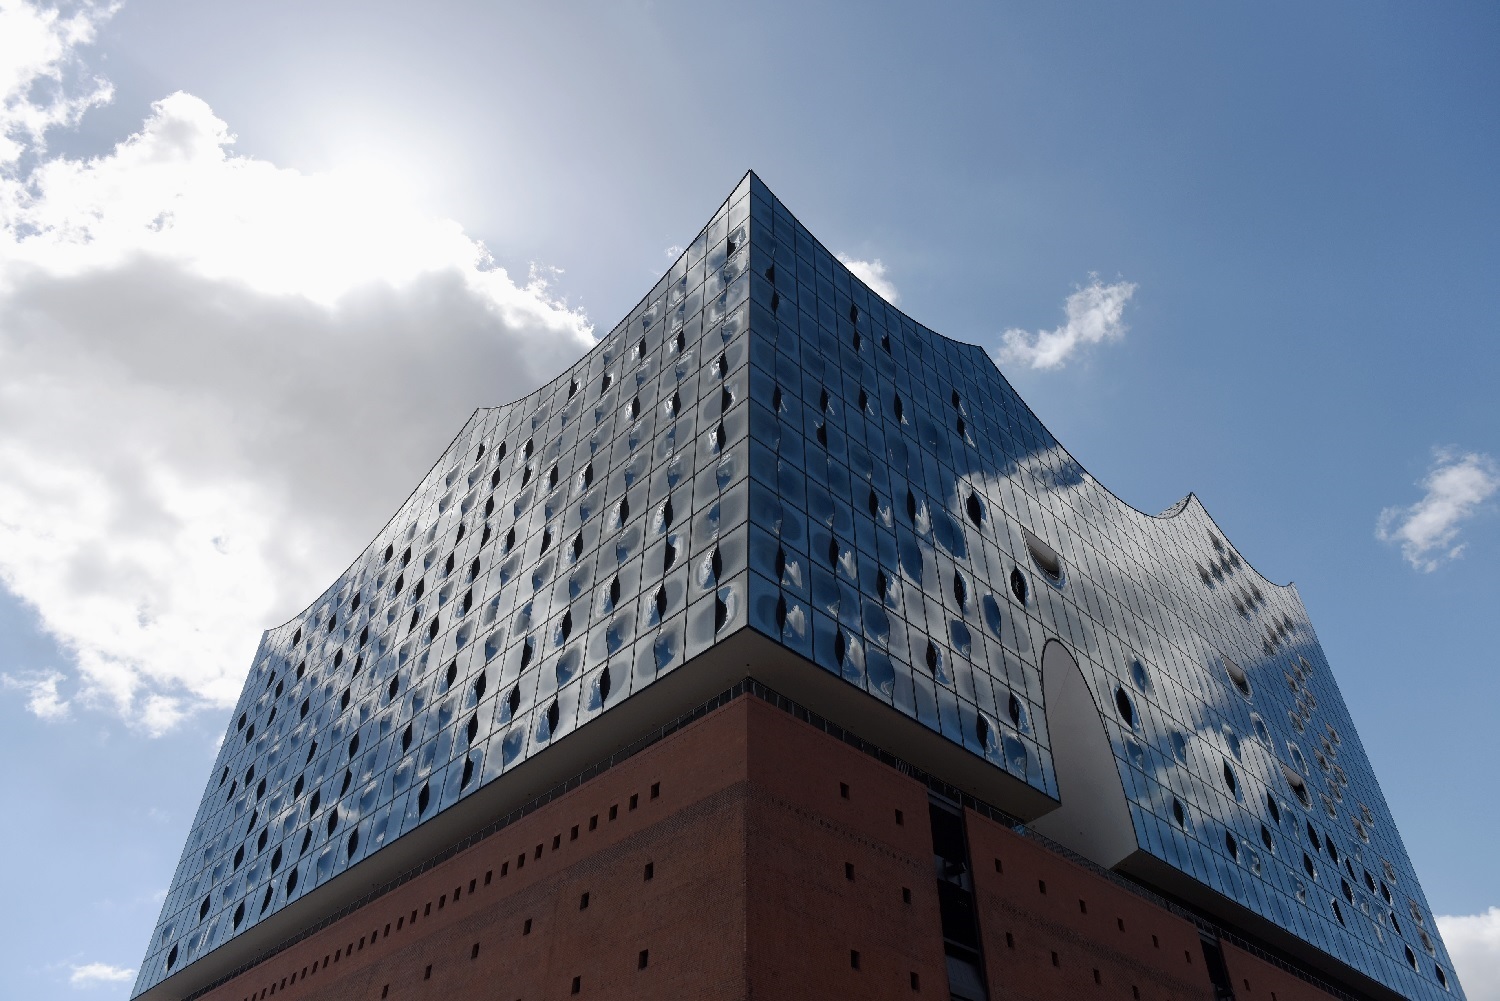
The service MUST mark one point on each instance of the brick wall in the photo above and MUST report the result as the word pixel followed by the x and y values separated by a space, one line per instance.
pixel 418 940
pixel 783 864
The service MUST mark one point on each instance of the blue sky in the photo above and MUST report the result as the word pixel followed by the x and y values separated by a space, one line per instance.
pixel 223 364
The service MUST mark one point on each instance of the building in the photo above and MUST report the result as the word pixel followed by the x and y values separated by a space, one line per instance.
pixel 776 648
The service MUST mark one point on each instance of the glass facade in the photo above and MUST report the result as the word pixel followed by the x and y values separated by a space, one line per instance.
pixel 765 444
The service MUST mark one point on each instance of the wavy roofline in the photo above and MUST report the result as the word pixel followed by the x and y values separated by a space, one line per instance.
pixel 1172 512
pixel 1181 505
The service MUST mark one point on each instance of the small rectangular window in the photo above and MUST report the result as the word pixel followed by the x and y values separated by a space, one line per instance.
pixel 1083 907
pixel 650 870
pixel 900 819
pixel 521 860
pixel 488 875
pixel 526 928
pixel 998 866
pixel 538 851
pixel 1041 885
pixel 916 982
pixel 1135 993
pixel 643 959
pixel 428 974
pixel 635 800
pixel 843 790
pixel 655 790
pixel 594 822
pixel 1121 923
pixel 458 891
pixel 906 894
pixel 1096 978
pixel 1010 941
pixel 854 959
pixel 614 811
pixel 474 952
pixel 387 930
pixel 400 921
pixel 583 902
pixel 1155 942
pixel 577 984
pixel 573 835
pixel 1055 961
pixel 848 870
pixel 442 900
pixel 385 991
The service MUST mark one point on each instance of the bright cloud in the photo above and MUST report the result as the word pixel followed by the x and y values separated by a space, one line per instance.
pixel 95 974
pixel 40 691
pixel 1427 531
pixel 37 46
pixel 874 274
pixel 1094 314
pixel 218 378
pixel 1473 942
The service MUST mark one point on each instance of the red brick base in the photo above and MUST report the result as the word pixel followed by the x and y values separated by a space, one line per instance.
pixel 748 855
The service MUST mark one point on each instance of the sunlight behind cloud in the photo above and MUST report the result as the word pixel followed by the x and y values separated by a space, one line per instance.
pixel 220 377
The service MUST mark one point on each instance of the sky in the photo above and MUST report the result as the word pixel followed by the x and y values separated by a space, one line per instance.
pixel 259 262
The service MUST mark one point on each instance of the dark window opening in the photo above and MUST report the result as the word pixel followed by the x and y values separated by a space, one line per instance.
pixel 1018 585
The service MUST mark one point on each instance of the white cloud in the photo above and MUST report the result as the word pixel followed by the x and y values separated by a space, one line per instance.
pixel 40 689
pixel 1473 942
pixel 1094 314
pixel 1427 531
pixel 874 274
pixel 37 46
pixel 218 378
pixel 95 974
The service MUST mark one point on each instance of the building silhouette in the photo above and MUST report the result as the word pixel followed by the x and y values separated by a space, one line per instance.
pixel 776 649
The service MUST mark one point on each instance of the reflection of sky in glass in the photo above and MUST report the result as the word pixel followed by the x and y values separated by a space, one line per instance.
pixel 764 443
